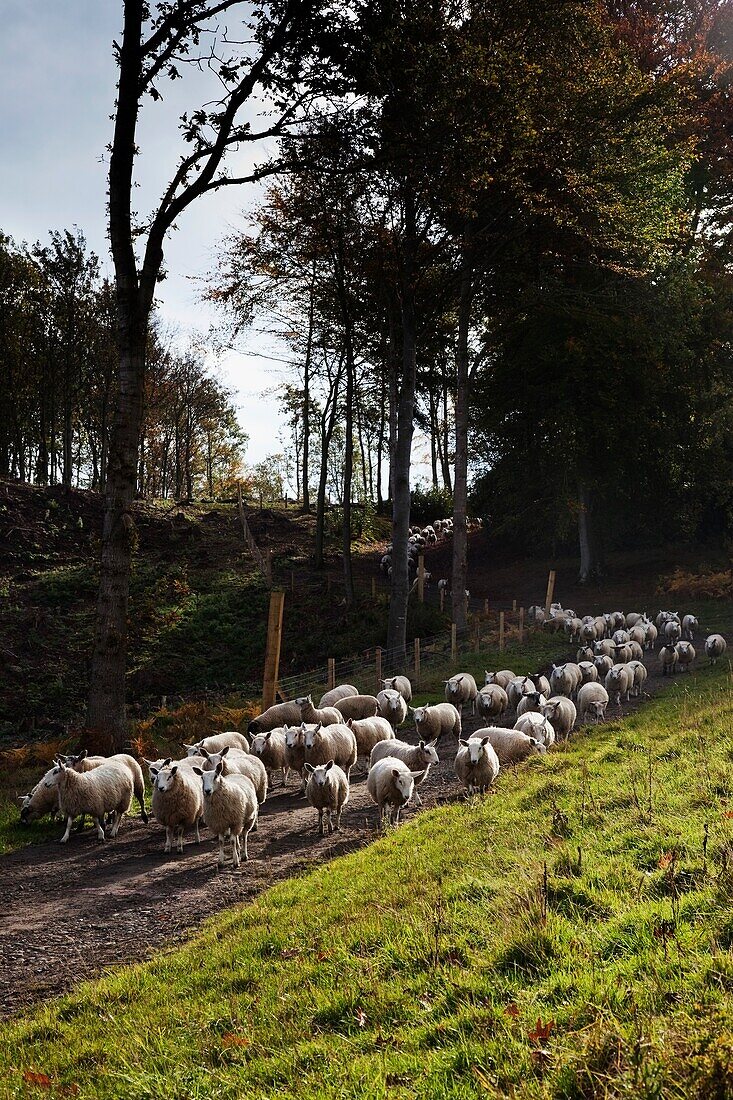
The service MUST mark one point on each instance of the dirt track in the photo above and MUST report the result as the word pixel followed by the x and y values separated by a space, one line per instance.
pixel 69 912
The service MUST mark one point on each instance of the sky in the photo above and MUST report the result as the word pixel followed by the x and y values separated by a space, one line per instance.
pixel 57 88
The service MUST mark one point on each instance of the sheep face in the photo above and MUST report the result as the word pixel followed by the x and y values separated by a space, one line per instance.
pixel 193 750
pixel 476 748
pixel 165 779
pixel 258 743
pixel 429 751
pixel 319 775
pixel 597 710
pixel 419 714
pixel 310 736
pixel 538 746
pixel 404 783
pixel 293 736
pixel 210 779
pixel 302 700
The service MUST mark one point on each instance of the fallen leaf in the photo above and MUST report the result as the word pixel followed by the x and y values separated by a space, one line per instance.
pixel 665 860
pixel 32 1078
pixel 512 1010
pixel 231 1039
pixel 541 1031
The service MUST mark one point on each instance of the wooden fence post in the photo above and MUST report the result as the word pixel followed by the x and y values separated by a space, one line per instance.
pixel 453 642
pixel 476 634
pixel 378 672
pixel 514 605
pixel 331 673
pixel 272 652
pixel 486 607
pixel 417 660
pixel 550 592
pixel 521 625
pixel 442 598
pixel 421 578
pixel 501 631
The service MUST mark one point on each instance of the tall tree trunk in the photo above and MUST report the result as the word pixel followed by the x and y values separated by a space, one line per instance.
pixel 400 588
pixel 590 556
pixel 445 454
pixel 348 465
pixel 434 436
pixel 460 476
pixel 328 421
pixel 380 439
pixel 307 396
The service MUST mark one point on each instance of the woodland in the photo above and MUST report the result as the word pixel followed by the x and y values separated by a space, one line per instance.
pixel 503 228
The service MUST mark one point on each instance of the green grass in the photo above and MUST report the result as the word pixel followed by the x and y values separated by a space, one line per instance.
pixel 583 894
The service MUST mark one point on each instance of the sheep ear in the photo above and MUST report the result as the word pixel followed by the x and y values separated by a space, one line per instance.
pixel 225 751
pixel 167 762
pixel 174 769
pixel 395 773
pixel 154 771
pixel 330 764
pixel 309 767
pixel 433 743
pixel 461 741
pixel 318 726
pixel 187 747
pixel 411 709
pixel 268 735
pixel 219 769
pixel 485 740
pixel 302 727
pixel 197 769
pixel 82 755
pixel 350 723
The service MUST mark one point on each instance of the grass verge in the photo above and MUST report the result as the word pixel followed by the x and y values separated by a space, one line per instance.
pixel 569 936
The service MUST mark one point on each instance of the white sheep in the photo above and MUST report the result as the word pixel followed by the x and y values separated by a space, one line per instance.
pixel 632 618
pixel 105 790
pixel 327 790
pixel 541 683
pixel 178 802
pixel 715 647
pixel 234 762
pixel 460 690
pixel 651 635
pixel 502 678
pixel 620 637
pixel 535 614
pixel 668 658
pixel 41 800
pixel 357 706
pixel 368 732
pixel 511 746
pixel 604 648
pixel 392 706
pixel 592 699
pixel 639 673
pixel 434 722
pixel 272 750
pixel 537 726
pixel 218 741
pixel 588 671
pixel 335 695
pixel 400 684
pixel 561 714
pixel 516 688
pixel 418 758
pixel 391 785
pixel 685 655
pixel 323 716
pixel 565 679
pixel 230 809
pixel 534 701
pixel 672 632
pixel 492 701
pixel 603 664
pixel 618 683
pixel 335 742
pixel 622 653
pixel 476 764
pixel 82 762
pixel 689 626
pixel 295 745
pixel 275 717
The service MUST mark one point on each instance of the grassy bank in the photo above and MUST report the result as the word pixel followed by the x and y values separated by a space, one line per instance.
pixel 569 936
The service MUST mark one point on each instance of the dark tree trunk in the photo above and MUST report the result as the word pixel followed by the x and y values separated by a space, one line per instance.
pixel 460 476
pixel 307 398
pixel 348 466
pixel 328 421
pixel 445 452
pixel 591 565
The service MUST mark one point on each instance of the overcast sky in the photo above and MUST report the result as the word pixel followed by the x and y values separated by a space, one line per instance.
pixel 57 87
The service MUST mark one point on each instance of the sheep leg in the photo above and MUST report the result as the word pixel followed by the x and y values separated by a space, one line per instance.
pixel 143 811
pixel 198 834
pixel 329 822
pixel 116 818
pixel 243 844
pixel 338 821
pixel 168 838
pixel 418 800
pixel 222 857
pixel 179 830
pixel 235 851
pixel 65 837
pixel 100 830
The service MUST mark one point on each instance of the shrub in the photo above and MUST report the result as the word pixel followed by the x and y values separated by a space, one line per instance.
pixel 429 504
pixel 697 586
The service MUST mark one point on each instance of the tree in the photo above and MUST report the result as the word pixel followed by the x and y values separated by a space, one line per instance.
pixel 156 40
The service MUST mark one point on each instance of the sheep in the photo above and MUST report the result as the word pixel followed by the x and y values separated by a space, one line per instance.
pixel 81 762
pixel 588 632
pixel 592 699
pixel 603 665
pixel 516 688
pixel 588 671
pixel 325 716
pixel 532 702
pixel 491 701
pixel 622 654
pixel 561 714
pixel 235 762
pixel 620 637
pixel 537 726
pixel 327 790
pixel 295 746
pixel 461 689
pixel 651 635
pixel 637 634
pixel 218 741
pixel 230 809
pixel 689 626
pixel 541 684
pixel 502 678
pixel 41 800
pixel 432 722
pixel 637 652
pixel 511 746
pixel 391 784
pixel 400 684
pixel 564 679
pixel 632 619
pixel 357 706
pixel 601 626
pixel 536 615
pixel 104 790
pixel 685 655
pixel 672 632
pixel 618 683
pixel 476 764
pixel 272 750
pixel 639 673
pixel 335 695
pixel 178 802
pixel 336 742
pixel 668 658
pixel 418 757
pixel 275 717
pixel 617 620
pixel 188 762
pixel 603 648
pixel 715 647
pixel 368 732
pixel 392 706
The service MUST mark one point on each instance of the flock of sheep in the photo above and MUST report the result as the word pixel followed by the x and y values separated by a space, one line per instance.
pixel 418 539
pixel 224 779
